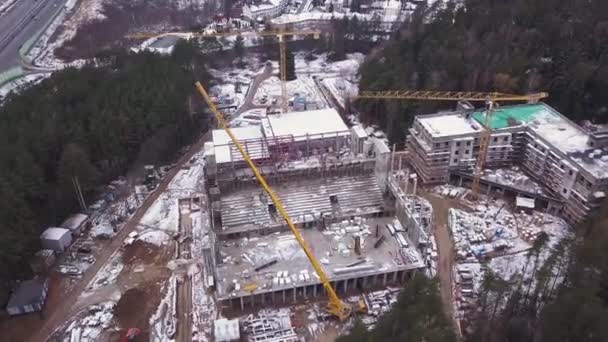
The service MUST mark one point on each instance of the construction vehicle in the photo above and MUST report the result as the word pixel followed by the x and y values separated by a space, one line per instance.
pixel 281 34
pixel 130 335
pixel 490 98
pixel 335 305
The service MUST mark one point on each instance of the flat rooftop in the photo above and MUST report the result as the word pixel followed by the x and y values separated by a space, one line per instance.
pixel 563 134
pixel 299 124
pixel 305 200
pixel 449 124
pixel 226 151
pixel 333 247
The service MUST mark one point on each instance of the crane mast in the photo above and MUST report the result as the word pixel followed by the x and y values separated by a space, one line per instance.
pixel 281 34
pixel 491 99
pixel 335 305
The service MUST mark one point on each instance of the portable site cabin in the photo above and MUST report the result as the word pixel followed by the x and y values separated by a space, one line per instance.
pixel 29 296
pixel 57 239
pixel 75 223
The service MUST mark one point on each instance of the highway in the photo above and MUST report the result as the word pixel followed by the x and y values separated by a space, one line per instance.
pixel 21 23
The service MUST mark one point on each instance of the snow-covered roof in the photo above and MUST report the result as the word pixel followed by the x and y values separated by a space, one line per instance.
pixel 223 144
pixel 449 124
pixel 74 221
pixel 306 16
pixel 226 330
pixel 299 124
pixel 164 42
pixel 54 233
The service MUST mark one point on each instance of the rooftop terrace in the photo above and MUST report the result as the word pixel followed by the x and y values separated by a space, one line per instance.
pixel 552 127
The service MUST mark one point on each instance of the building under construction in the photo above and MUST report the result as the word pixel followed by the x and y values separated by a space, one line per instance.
pixel 339 187
pixel 571 163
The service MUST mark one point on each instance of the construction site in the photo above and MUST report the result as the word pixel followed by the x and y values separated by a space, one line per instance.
pixel 337 187
pixel 292 211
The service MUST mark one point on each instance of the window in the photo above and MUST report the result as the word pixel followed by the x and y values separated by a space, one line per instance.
pixel 466 152
pixel 455 160
pixel 561 166
pixel 495 139
pixel 570 172
pixel 458 143
pixel 506 138
pixel 457 152
pixel 468 143
pixel 437 145
pixel 565 190
pixel 503 148
pixel 447 143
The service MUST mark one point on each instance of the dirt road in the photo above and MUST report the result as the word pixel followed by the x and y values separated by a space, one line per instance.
pixel 253 89
pixel 445 247
pixel 184 288
pixel 56 315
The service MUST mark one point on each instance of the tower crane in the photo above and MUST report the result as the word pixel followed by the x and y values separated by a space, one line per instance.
pixel 335 306
pixel 281 34
pixel 491 99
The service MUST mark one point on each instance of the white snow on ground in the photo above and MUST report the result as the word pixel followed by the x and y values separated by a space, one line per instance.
pixel 163 214
pixel 6 5
pixel 164 321
pixel 108 274
pixel 155 237
pixel 20 83
pixel 270 90
pixel 88 325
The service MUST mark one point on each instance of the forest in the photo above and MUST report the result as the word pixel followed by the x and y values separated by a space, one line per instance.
pixel 512 46
pixel 94 123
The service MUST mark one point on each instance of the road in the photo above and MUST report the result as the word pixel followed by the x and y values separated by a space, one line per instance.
pixel 58 314
pixel 21 23
pixel 253 89
pixel 184 288
pixel 445 247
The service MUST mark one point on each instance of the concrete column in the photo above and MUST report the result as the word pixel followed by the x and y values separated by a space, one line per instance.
pixel 263 299
pixel 345 285
pixel 394 277
pixel 375 279
pixel 274 297
pixel 314 290
pixel 294 294
pixel 489 190
pixel 304 290
pixel 364 282
pixel 459 181
pixel 403 276
pixel 415 184
pixel 384 276
pixel 283 295
pixel 242 303
pixel 230 303
pixel 393 159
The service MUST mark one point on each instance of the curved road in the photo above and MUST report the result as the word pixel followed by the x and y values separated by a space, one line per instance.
pixel 21 23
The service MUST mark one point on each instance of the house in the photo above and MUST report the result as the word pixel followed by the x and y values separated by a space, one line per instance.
pixel 29 296
pixel 57 239
pixel 75 223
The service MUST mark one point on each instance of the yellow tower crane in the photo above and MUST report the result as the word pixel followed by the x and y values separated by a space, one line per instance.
pixel 335 306
pixel 491 99
pixel 281 34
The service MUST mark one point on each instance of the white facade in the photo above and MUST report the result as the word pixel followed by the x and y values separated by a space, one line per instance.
pixel 265 10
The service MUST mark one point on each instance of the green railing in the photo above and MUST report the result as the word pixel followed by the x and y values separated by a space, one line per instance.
pixel 10 75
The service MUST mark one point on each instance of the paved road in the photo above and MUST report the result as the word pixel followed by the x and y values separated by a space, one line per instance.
pixel 253 88
pixel 19 24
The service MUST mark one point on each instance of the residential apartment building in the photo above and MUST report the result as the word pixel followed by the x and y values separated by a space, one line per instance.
pixel 572 163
